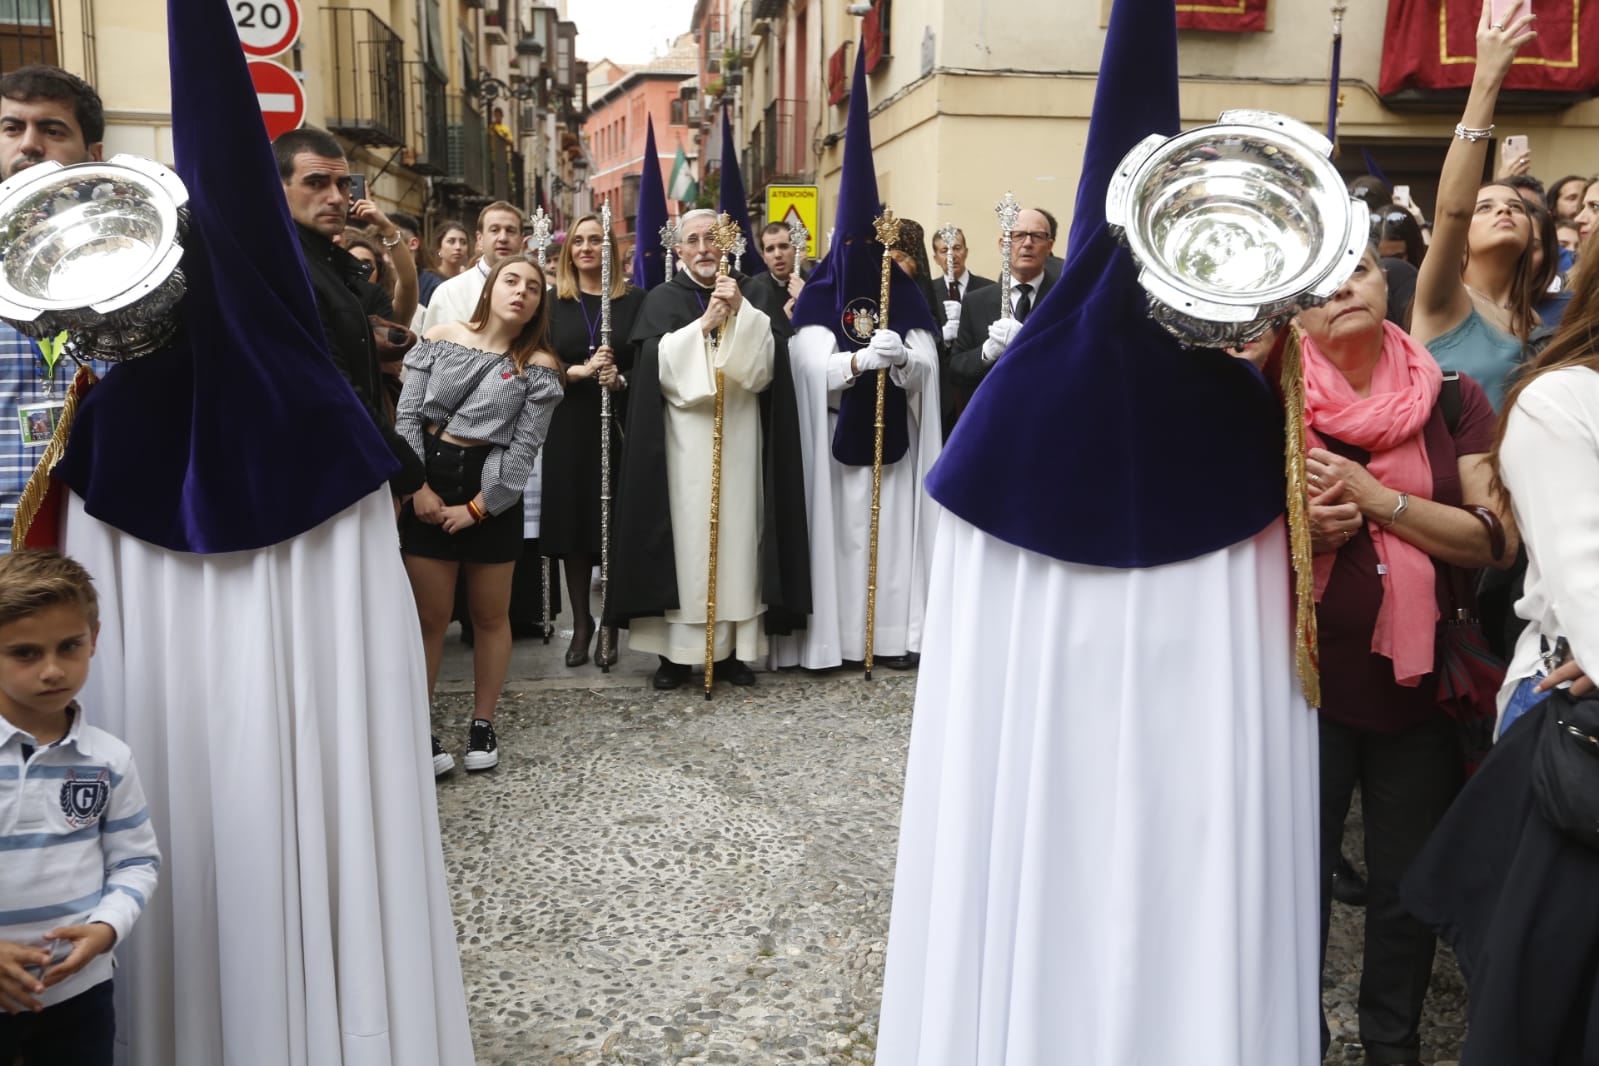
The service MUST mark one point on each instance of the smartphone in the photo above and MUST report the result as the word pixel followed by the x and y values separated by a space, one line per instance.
pixel 1502 11
pixel 1515 146
pixel 1402 195
pixel 357 188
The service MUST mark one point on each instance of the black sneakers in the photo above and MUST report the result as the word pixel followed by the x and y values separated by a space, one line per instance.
pixel 482 749
pixel 443 761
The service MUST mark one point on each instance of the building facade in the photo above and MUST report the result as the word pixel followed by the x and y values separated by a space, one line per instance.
pixel 446 105
pixel 974 98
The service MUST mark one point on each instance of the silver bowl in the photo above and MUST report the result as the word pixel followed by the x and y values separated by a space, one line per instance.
pixel 93 250
pixel 1235 226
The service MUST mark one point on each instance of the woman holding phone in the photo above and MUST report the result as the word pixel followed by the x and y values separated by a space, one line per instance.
pixel 1473 307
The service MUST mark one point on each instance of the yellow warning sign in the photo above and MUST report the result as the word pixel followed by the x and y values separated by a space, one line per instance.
pixel 786 203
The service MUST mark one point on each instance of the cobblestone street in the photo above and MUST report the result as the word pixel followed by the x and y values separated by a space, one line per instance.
pixel 653 878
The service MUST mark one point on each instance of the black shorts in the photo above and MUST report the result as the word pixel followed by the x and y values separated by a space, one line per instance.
pixel 456 474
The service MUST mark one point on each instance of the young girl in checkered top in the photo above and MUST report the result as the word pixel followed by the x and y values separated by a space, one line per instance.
pixel 80 853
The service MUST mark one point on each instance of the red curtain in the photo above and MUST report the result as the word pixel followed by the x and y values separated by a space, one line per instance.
pixel 1229 16
pixel 1432 44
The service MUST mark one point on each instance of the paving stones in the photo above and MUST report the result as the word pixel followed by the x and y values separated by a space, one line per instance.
pixel 651 878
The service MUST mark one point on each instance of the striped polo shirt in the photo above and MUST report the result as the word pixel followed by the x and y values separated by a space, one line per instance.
pixel 76 843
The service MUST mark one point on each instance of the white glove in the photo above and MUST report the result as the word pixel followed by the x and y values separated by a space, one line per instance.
pixel 887 344
pixel 1000 335
pixel 868 359
pixel 952 320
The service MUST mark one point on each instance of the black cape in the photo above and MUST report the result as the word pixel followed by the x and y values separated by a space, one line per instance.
pixel 643 579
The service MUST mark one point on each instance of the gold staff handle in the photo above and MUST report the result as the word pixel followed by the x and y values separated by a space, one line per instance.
pixel 725 235
pixel 887 235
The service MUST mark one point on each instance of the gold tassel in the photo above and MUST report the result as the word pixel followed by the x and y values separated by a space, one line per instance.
pixel 1306 643
pixel 38 486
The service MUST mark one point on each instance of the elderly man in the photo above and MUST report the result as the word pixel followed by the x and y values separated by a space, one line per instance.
pixel 984 335
pixel 693 329
pixel 499 234
pixel 782 273
pixel 46 114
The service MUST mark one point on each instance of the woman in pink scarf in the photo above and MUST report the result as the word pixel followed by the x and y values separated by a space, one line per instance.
pixel 1390 482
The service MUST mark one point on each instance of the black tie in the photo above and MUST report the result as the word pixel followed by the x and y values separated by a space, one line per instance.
pixel 954 290
pixel 1024 301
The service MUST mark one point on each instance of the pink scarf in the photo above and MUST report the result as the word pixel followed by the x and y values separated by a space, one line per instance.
pixel 1388 424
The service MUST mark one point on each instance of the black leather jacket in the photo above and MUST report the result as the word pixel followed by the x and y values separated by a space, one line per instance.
pixel 342 299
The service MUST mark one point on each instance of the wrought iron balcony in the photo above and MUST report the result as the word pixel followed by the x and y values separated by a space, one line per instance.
pixel 430 121
pixel 367 93
pixel 466 157
pixel 776 141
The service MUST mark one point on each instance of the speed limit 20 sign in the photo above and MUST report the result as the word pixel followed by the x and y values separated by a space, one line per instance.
pixel 266 27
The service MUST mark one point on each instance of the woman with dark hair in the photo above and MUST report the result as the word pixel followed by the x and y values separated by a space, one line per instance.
pixel 1401 512
pixel 1474 305
pixel 1545 284
pixel 1502 884
pixel 476 406
pixel 569 517
pixel 449 258
pixel 910 252
pixel 1398 235
pixel 1565 195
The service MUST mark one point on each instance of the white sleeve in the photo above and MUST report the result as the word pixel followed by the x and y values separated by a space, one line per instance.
pixel 132 856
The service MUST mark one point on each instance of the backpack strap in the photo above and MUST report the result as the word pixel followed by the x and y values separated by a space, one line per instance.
pixel 1449 401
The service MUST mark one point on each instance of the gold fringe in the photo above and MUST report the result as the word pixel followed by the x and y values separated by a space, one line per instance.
pixel 38 486
pixel 1306 642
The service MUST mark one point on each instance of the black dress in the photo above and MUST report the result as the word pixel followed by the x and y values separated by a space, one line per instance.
pixel 569 522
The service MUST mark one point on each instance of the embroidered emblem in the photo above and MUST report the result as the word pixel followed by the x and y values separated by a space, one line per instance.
pixel 506 375
pixel 860 319
pixel 83 800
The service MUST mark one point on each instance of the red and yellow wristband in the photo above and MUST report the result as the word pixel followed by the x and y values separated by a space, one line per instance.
pixel 476 510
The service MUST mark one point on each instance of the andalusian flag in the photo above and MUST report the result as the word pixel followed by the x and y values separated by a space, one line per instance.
pixel 682 187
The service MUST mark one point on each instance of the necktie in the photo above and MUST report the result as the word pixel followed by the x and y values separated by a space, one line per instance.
pixel 954 290
pixel 1024 301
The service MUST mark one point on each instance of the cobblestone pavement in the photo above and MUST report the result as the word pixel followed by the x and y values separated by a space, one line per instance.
pixel 653 878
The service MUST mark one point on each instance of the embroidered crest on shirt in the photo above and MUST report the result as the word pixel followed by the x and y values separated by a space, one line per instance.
pixel 860 319
pixel 83 800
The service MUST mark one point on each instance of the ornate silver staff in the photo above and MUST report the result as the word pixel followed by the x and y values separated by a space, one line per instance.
pixel 540 242
pixel 668 242
pixel 800 237
pixel 603 650
pixel 1008 211
pixel 727 239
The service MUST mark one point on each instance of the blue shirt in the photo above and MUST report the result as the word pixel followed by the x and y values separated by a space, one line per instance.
pixel 26 377
pixel 1478 350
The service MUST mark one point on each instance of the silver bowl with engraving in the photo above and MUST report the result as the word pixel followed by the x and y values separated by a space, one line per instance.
pixel 1236 226
pixel 93 250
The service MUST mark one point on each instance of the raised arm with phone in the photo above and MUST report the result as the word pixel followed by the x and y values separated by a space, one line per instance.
pixel 1473 305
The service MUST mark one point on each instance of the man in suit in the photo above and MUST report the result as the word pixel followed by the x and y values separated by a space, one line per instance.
pixel 782 273
pixel 984 335
pixel 956 283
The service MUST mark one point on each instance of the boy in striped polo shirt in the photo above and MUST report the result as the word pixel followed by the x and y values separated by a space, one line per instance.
pixel 78 856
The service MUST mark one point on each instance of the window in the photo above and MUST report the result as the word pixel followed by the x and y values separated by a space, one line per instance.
pixel 27 34
pixel 679 112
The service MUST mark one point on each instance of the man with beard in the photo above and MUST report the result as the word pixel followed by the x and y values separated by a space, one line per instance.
pixel 690 329
pixel 46 115
pixel 499 234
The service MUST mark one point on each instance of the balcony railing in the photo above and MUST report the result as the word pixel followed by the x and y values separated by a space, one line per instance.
pixel 777 138
pixel 368 89
pixel 430 120
pixel 466 156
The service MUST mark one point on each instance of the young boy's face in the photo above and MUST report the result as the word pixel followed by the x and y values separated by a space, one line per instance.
pixel 44 661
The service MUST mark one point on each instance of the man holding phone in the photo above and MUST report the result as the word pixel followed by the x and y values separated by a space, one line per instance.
pixel 318 184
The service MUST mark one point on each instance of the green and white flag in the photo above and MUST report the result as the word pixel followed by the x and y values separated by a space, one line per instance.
pixel 682 187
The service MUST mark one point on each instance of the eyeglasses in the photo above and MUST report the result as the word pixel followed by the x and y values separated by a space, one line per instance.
pixel 1038 236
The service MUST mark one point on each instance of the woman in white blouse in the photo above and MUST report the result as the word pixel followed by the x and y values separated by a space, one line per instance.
pixel 476 408
pixel 1510 892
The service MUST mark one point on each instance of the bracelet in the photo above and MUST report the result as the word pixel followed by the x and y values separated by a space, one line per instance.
pixel 477 512
pixel 1466 133
pixel 1496 530
pixel 388 243
pixel 1400 508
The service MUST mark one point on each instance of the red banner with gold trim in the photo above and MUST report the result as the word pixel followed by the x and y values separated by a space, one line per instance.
pixel 1432 44
pixel 1228 16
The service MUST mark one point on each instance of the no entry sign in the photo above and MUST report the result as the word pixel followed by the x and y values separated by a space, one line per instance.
pixel 281 97
pixel 266 27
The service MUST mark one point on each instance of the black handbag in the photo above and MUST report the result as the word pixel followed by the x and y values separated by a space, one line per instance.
pixel 1565 765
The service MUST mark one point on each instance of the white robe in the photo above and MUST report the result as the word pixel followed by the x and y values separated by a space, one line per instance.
pixel 277 706
pixel 454 300
pixel 838 506
pixel 1108 848
pixel 688 385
